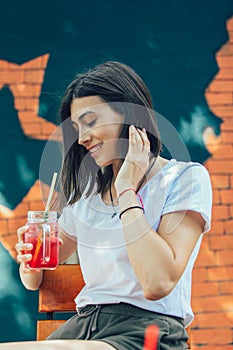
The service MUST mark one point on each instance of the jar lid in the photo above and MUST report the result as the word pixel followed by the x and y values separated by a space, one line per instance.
pixel 40 216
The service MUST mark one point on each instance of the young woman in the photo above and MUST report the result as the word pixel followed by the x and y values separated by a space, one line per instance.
pixel 136 218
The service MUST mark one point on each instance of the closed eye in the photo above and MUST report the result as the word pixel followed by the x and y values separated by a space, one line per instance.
pixel 84 123
pixel 90 124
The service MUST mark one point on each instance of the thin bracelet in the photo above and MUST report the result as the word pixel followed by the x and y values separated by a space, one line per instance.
pixel 129 208
pixel 137 194
pixel 127 189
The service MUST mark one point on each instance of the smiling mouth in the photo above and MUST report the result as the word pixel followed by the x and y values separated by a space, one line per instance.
pixel 95 149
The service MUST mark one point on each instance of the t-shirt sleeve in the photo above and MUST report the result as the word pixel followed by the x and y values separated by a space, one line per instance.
pixel 67 221
pixel 191 190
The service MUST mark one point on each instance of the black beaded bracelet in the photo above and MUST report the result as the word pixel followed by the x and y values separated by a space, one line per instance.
pixel 134 207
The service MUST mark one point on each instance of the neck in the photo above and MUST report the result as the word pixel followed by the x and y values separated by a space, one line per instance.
pixel 116 165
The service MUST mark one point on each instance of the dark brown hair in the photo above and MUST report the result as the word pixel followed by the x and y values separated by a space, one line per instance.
pixel 119 86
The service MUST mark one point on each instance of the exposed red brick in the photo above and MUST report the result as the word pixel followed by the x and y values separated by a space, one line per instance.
pixel 226 50
pixel 36 63
pixel 212 336
pixel 212 298
pixel 212 303
pixel 34 76
pixel 220 166
pixel 205 258
pixel 214 320
pixel 15 223
pixel 226 287
pixel 11 78
pixel 25 90
pixel 211 347
pixel 225 62
pixel 228 226
pixel 21 209
pixel 229 26
pixel 31 128
pixel 199 275
pixel 225 73
pixel 222 242
pixel 4 65
pixel 224 152
pixel 220 274
pixel 227 125
pixel 216 228
pixel 220 212
pixel 36 205
pixel 224 258
pixel 200 289
pixel 218 98
pixel 224 111
pixel 3 226
pixel 226 196
pixel 227 136
pixel 220 181
pixel 216 196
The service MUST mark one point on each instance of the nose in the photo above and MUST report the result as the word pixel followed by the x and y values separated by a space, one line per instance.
pixel 84 138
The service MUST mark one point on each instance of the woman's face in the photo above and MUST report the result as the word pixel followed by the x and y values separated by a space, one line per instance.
pixel 98 128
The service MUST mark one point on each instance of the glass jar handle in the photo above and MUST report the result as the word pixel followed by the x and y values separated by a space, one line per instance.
pixel 46 242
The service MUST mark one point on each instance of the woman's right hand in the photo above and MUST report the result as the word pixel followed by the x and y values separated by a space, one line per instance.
pixel 31 279
pixel 22 247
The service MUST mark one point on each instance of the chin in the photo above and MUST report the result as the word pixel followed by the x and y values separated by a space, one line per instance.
pixel 103 163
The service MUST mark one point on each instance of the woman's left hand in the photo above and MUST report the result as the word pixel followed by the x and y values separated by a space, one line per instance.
pixel 136 161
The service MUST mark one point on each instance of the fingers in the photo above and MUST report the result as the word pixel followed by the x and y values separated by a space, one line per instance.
pixel 20 233
pixel 21 247
pixel 23 258
pixel 144 138
pixel 140 138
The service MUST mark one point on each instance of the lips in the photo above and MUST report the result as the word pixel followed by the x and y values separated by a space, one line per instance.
pixel 93 150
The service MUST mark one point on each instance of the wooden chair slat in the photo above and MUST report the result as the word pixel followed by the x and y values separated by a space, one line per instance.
pixel 47 327
pixel 59 288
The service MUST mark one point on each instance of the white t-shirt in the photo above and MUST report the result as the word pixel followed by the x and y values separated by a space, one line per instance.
pixel 106 269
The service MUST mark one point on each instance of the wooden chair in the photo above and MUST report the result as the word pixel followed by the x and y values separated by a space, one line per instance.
pixel 56 295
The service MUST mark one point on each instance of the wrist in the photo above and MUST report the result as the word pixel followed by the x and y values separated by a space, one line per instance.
pixel 129 197
pixel 124 185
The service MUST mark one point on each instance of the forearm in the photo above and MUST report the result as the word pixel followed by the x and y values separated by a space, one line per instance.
pixel 30 279
pixel 150 255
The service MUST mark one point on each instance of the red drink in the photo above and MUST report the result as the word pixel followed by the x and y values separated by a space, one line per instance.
pixel 43 235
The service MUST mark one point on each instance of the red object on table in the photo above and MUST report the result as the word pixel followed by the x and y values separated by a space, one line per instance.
pixel 151 337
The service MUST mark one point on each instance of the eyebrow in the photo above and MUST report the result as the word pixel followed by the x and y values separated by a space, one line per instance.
pixel 83 115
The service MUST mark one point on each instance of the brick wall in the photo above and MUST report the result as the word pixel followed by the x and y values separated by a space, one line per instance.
pixel 212 298
pixel 25 82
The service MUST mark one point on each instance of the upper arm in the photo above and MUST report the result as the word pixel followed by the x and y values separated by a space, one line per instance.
pixel 181 230
pixel 186 213
pixel 68 247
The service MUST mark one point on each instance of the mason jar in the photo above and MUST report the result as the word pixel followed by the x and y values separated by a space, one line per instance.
pixel 42 233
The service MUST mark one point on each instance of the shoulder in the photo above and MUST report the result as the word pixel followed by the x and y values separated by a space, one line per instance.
pixel 191 171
